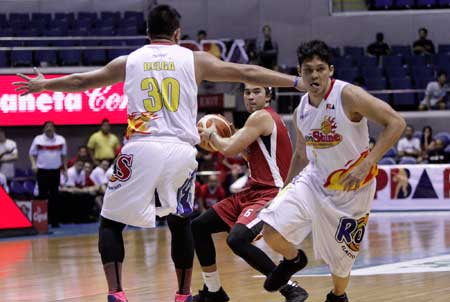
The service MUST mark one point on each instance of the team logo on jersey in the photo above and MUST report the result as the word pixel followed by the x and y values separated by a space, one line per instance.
pixel 350 232
pixel 140 123
pixel 122 168
pixel 326 136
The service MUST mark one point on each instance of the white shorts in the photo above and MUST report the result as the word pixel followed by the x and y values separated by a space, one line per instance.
pixel 337 219
pixel 146 166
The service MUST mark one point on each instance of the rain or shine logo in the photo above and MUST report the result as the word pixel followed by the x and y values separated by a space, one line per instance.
pixel 326 136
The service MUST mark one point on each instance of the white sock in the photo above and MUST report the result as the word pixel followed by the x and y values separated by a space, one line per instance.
pixel 212 281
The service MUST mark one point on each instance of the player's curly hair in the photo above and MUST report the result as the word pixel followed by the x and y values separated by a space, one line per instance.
pixel 315 48
pixel 162 21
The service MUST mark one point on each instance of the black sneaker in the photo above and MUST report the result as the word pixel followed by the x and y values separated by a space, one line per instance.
pixel 333 298
pixel 284 271
pixel 294 293
pixel 204 295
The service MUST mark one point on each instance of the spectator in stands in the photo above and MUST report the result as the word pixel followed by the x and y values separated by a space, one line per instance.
pixel 435 93
pixel 268 49
pixel 82 154
pixel 76 176
pixel 48 155
pixel 409 145
pixel 436 153
pixel 103 144
pixel 3 183
pixel 87 172
pixel 8 155
pixel 423 46
pixel 212 48
pixel 426 140
pixel 98 175
pixel 379 47
pixel 210 193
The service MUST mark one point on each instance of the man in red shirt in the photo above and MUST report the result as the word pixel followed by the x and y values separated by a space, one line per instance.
pixel 265 141
pixel 210 193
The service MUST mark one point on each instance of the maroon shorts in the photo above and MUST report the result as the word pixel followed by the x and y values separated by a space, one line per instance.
pixel 243 207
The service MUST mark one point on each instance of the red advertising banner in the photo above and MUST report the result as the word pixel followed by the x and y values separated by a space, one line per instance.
pixel 74 108
pixel 40 216
pixel 11 217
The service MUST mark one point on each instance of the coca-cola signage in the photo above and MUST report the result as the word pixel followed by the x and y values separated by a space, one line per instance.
pixel 88 107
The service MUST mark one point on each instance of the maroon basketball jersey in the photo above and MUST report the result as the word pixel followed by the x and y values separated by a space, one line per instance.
pixel 269 156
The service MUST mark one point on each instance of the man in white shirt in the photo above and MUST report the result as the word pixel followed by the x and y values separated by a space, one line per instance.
pixel 76 176
pixel 409 145
pixel 48 154
pixel 435 93
pixel 98 175
pixel 8 155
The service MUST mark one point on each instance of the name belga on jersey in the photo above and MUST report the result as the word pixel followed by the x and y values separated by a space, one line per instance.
pixel 160 65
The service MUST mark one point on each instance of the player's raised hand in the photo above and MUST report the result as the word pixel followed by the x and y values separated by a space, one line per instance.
pixel 354 178
pixel 31 85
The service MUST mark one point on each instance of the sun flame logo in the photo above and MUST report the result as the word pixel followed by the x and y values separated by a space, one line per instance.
pixel 328 125
pixel 325 136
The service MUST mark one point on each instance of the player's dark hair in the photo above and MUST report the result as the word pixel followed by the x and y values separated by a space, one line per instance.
pixel 49 122
pixel 3 130
pixel 316 48
pixel 442 72
pixel 105 120
pixel 201 32
pixel 424 30
pixel 162 21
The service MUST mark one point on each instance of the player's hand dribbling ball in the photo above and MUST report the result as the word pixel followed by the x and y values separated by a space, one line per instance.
pixel 216 123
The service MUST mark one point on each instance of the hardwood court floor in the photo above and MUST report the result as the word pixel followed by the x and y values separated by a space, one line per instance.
pixel 68 268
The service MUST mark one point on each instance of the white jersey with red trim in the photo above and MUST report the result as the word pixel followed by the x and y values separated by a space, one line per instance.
pixel 162 94
pixel 334 144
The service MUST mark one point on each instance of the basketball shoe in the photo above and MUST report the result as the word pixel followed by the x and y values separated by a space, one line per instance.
pixel 183 298
pixel 333 298
pixel 284 271
pixel 204 295
pixel 294 293
pixel 117 297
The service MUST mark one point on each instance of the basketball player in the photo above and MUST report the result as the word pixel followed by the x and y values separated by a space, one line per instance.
pixel 161 82
pixel 331 180
pixel 265 141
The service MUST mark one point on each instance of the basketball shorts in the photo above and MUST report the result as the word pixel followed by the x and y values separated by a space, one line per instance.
pixel 244 206
pixel 146 166
pixel 336 219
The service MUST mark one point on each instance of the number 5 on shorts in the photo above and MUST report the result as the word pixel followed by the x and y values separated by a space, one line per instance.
pixel 168 94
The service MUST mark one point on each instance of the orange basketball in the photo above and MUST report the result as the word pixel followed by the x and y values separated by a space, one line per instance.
pixel 217 122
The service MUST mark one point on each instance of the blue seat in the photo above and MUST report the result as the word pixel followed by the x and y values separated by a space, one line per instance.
pixel 4 62
pixel 376 83
pixel 19 172
pixel 104 31
pixel 130 30
pixel 382 96
pixel 3 20
pixel 56 32
pixel 401 83
pixel 407 160
pixel 393 61
pixel 403 50
pixel 22 58
pixel 417 134
pixel 64 16
pixel 421 82
pixel 404 4
pixel 392 152
pixel 19 17
pixel 441 59
pixel 447 150
pixel 404 99
pixel 396 72
pixel 17 188
pixel 84 23
pixel 417 60
pixel 336 51
pixel 33 32
pixel 105 23
pixel 353 51
pixel 422 71
pixel 348 74
pixel 62 25
pixel 387 161
pixel 425 3
pixel 94 57
pixel 89 42
pixel 444 137
pixel 114 53
pixel 383 4
pixel 47 56
pixel 64 43
pixel 37 43
pixel 444 48
pixel 78 32
pixel 372 72
pixel 342 62
pixel 70 57
pixel 110 15
pixel 444 3
pixel 28 187
pixel 41 17
pixel 367 62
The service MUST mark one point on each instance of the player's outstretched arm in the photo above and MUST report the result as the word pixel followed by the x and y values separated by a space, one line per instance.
pixel 299 159
pixel 209 68
pixel 259 123
pixel 111 73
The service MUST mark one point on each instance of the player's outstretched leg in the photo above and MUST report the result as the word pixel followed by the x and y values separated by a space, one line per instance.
pixel 202 228
pixel 112 251
pixel 240 241
pixel 294 260
pixel 182 254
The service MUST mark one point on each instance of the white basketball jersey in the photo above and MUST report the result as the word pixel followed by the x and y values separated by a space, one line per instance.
pixel 162 94
pixel 334 144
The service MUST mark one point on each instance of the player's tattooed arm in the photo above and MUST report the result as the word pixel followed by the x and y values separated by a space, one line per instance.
pixel 299 160
pixel 209 68
pixel 259 123
pixel 113 72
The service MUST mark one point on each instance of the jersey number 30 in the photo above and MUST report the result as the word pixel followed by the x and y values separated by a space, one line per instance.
pixel 168 94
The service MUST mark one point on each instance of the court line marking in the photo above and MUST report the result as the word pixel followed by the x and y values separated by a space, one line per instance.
pixel 424 265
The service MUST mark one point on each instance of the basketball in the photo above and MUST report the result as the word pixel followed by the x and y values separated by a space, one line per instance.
pixel 219 123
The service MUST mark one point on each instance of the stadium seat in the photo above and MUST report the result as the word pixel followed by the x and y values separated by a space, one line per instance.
pixel 425 3
pixel 22 58
pixel 336 51
pixel 348 74
pixel 404 4
pixel 444 48
pixel 417 61
pixel 422 71
pixel 353 51
pixel 404 100
pixel 392 152
pixel 383 4
pixel 392 61
pixel 376 83
pixel 372 72
pixel 47 56
pixel 396 72
pixel 130 30
pixel 400 83
pixel 28 186
pixel 94 57
pixel 444 3
pixel 41 17
pixel 38 43
pixel 4 62
pixel 387 161
pixel 367 61
pixel 440 60
pixel 447 150
pixel 408 160
pixel 342 62
pixel 17 188
pixel 403 50
pixel 3 20
pixel 444 137
pixel 114 53
pixel 61 25
pixel 70 57
pixel 383 96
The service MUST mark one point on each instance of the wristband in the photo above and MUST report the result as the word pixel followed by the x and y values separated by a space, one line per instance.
pixel 297 79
